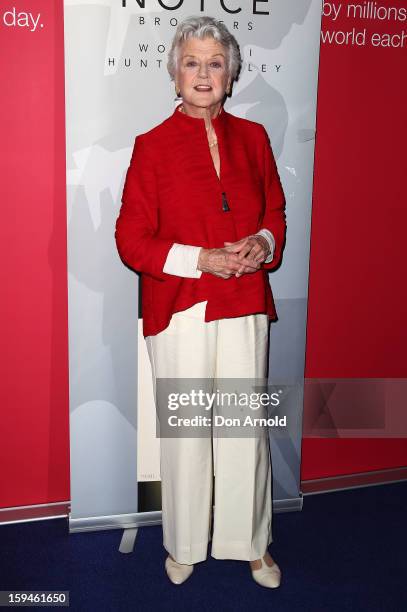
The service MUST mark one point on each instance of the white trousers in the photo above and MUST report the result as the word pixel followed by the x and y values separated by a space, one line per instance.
pixel 228 348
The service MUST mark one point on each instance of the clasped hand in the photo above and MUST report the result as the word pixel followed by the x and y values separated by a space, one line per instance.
pixel 236 258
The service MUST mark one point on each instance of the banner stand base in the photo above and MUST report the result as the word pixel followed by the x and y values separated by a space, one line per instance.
pixel 144 519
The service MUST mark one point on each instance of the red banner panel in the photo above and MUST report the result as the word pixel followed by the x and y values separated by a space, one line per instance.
pixel 34 448
pixel 357 312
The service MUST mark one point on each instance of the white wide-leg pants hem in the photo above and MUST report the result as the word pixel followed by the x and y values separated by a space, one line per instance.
pixel 188 555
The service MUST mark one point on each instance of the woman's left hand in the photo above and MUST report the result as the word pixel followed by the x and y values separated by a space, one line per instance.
pixel 255 247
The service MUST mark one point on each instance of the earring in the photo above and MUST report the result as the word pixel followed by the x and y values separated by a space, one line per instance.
pixel 177 92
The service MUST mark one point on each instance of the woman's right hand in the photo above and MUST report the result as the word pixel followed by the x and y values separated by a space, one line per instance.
pixel 225 263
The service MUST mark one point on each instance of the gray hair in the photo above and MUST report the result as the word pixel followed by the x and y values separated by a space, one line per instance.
pixel 201 27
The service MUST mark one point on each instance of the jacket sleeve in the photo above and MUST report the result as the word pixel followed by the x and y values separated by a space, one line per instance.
pixel 137 225
pixel 274 218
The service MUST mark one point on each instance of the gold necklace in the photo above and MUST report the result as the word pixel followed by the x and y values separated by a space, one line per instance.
pixel 214 141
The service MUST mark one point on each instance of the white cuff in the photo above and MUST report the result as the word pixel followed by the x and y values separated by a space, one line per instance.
pixel 182 260
pixel 270 239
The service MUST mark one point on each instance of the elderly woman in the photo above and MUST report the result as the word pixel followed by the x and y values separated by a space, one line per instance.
pixel 202 219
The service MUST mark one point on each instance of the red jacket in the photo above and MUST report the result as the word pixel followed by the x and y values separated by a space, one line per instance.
pixel 173 194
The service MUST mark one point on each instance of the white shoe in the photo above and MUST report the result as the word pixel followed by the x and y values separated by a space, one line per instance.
pixel 266 576
pixel 177 572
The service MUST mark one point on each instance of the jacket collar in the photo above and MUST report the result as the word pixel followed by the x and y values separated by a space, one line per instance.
pixel 198 123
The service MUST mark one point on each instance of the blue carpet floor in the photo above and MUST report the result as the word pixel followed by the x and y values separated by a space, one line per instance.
pixel 344 551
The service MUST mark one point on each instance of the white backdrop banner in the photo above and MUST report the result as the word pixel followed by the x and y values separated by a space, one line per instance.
pixel 117 86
